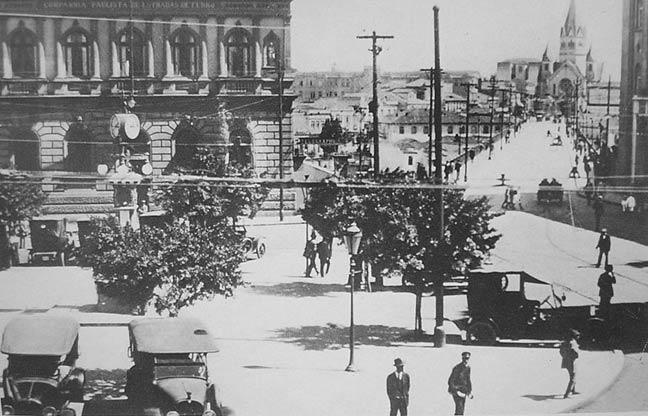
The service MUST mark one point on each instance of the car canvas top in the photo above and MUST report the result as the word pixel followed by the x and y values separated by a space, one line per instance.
pixel 40 334
pixel 526 277
pixel 171 336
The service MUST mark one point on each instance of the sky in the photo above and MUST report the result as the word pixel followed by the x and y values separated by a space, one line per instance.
pixel 474 34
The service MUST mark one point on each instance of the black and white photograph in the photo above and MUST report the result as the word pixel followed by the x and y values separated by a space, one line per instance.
pixel 323 208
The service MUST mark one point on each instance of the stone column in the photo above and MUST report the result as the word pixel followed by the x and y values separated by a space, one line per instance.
pixel 116 70
pixel 151 59
pixel 205 59
pixel 220 39
pixel 61 70
pixel 7 70
pixel 169 61
pixel 96 63
pixel 285 44
pixel 256 38
pixel 42 65
pixel 633 147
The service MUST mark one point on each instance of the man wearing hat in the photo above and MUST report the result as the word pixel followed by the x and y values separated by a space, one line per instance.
pixel 398 385
pixel 603 246
pixel 459 384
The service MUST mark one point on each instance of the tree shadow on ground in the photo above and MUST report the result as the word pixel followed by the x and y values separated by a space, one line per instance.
pixel 298 289
pixel 334 337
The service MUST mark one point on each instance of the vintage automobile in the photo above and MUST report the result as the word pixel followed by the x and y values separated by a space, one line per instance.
pixel 48 241
pixel 252 244
pixel 169 375
pixel 515 305
pixel 550 192
pixel 41 377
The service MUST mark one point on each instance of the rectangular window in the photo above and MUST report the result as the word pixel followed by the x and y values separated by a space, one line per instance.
pixel 410 160
pixel 401 129
pixel 413 129
pixel 426 130
pixel 450 129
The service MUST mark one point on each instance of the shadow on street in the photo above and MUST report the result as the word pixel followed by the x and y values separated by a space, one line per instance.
pixel 333 337
pixel 298 289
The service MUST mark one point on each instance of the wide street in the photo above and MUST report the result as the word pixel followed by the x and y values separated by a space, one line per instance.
pixel 283 339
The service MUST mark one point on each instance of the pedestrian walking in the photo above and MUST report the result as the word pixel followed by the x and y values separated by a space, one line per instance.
pixel 569 353
pixel 606 291
pixel 589 192
pixel 576 159
pixel 603 246
pixel 457 167
pixel 324 254
pixel 447 170
pixel 471 155
pixel 597 206
pixel 516 200
pixel 310 253
pixel 587 167
pixel 459 383
pixel 398 386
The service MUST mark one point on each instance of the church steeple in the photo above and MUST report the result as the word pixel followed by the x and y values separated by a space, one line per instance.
pixel 545 55
pixel 570 27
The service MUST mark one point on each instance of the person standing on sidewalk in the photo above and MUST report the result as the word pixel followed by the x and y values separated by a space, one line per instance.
pixel 569 354
pixel 398 386
pixel 310 253
pixel 603 245
pixel 324 253
pixel 459 383
pixel 606 291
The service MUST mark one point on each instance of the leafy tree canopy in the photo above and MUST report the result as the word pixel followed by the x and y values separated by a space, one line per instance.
pixel 20 198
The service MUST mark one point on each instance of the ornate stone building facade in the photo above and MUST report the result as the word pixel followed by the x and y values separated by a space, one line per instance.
pixel 68 65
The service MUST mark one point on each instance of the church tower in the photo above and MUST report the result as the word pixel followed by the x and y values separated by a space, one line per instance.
pixel 573 41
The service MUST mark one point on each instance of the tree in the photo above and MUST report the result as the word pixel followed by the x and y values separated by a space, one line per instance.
pixel 20 199
pixel 166 267
pixel 401 230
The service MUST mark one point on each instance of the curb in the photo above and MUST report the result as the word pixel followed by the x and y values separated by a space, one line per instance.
pixel 589 398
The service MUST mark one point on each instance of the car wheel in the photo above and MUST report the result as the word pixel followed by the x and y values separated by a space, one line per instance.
pixel 247 246
pixel 261 249
pixel 481 333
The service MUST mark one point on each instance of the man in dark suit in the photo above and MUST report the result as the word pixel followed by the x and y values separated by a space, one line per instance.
pixel 459 384
pixel 604 244
pixel 398 385
pixel 605 282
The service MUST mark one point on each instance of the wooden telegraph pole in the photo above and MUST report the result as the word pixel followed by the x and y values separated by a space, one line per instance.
pixel 373 107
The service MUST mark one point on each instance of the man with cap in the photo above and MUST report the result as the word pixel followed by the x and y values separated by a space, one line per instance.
pixel 459 384
pixel 604 244
pixel 398 385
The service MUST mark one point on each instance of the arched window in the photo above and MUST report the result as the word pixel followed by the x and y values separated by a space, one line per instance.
pixel 24 45
pixel 24 150
pixel 186 52
pixel 77 48
pixel 238 53
pixel 136 62
pixel 240 153
pixel 271 51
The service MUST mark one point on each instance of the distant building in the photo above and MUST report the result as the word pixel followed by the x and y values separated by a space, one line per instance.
pixel 542 76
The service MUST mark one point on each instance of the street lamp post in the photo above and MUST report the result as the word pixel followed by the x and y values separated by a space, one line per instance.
pixel 352 239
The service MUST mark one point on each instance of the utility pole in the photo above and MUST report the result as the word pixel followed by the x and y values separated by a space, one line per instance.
pixel 280 79
pixel 439 332
pixel 501 119
pixel 576 108
pixel 468 86
pixel 607 118
pixel 375 50
pixel 430 120
pixel 492 114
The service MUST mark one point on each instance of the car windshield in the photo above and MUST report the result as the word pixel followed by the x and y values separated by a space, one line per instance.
pixel 180 365
pixel 39 366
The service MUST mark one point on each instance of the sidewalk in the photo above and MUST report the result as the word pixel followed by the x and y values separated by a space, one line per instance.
pixel 283 342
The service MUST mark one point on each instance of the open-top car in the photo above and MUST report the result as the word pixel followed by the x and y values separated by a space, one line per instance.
pixel 252 244
pixel 41 376
pixel 515 305
pixel 169 375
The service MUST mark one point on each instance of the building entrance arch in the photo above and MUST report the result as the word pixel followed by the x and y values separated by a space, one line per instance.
pixel 24 150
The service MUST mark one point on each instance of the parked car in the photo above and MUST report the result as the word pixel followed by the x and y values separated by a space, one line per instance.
pixel 252 244
pixel 516 305
pixel 41 377
pixel 169 375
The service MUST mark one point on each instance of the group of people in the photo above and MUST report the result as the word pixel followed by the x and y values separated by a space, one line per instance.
pixel 459 386
pixel 512 198
pixel 317 247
